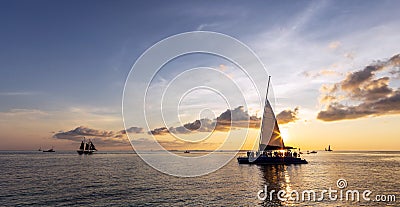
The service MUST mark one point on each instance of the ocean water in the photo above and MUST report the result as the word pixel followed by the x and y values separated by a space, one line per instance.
pixel 123 179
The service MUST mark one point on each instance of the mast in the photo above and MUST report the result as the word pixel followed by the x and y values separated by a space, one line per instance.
pixel 86 146
pixel 266 99
pixel 84 143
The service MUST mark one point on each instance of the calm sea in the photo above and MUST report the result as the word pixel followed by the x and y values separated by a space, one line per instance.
pixel 123 179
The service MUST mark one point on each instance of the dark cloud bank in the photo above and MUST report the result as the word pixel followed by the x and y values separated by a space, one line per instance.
pixel 101 137
pixel 287 116
pixel 230 119
pixel 370 93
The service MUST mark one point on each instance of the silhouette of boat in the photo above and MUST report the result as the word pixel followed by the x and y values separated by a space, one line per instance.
pixel 86 147
pixel 329 149
pixel 271 150
pixel 186 151
pixel 49 150
pixel 313 152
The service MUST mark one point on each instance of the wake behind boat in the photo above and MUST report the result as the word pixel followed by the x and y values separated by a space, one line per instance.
pixel 272 149
pixel 86 147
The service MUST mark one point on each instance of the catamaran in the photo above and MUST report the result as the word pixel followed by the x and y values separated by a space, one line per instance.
pixel 86 147
pixel 271 148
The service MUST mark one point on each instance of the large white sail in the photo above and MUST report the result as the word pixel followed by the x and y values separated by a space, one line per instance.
pixel 276 139
pixel 270 134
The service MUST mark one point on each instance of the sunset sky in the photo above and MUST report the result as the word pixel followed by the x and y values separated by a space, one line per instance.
pixel 335 68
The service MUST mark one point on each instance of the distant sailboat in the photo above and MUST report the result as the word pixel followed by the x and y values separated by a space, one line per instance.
pixel 86 147
pixel 272 149
pixel 329 149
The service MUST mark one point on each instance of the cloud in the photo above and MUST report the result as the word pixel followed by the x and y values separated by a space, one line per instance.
pixel 85 131
pixel 223 67
pixel 27 113
pixel 287 116
pixel 159 131
pixel 325 72
pixel 202 125
pixel 229 119
pixel 370 95
pixel 395 72
pixel 383 106
pixel 203 26
pixel 237 114
pixel 356 79
pixel 101 137
pixel 237 117
pixel 334 45
pixel 133 130
pixel 19 93
pixel 349 55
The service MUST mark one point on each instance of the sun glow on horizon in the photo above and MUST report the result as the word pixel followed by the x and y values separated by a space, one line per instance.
pixel 285 134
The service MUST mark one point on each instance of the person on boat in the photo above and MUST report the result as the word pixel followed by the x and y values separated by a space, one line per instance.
pixel 287 154
pixel 294 154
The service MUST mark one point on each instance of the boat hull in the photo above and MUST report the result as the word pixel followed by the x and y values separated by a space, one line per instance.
pixel 86 152
pixel 272 160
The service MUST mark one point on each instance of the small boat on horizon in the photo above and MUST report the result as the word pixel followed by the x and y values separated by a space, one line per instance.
pixel 313 152
pixel 271 148
pixel 186 151
pixel 49 150
pixel 86 147
pixel 329 149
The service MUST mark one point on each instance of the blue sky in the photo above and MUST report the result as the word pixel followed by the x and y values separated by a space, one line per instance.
pixel 79 52
pixel 72 57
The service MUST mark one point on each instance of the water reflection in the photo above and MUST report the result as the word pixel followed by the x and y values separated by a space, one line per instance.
pixel 276 178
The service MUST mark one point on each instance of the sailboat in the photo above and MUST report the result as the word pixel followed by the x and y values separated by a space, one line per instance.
pixel 329 148
pixel 271 149
pixel 86 147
